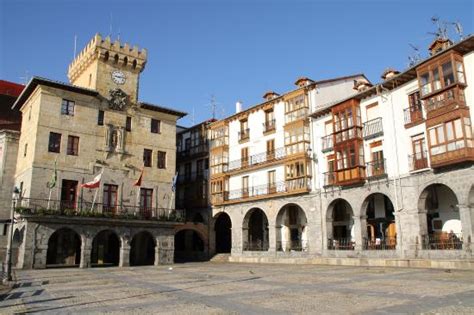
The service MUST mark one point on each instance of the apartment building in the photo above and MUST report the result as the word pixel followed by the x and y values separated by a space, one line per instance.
pixel 95 166
pixel 192 192
pixel 260 166
pixel 384 171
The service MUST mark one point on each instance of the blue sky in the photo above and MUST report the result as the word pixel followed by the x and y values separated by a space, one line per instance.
pixel 234 50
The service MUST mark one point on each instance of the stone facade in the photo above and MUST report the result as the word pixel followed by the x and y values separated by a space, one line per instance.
pixel 410 218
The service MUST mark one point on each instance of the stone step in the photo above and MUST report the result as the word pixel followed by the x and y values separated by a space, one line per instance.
pixel 220 258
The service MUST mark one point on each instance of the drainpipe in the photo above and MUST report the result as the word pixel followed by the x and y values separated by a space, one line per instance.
pixel 397 176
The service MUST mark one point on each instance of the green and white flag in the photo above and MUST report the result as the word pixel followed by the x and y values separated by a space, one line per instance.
pixel 54 178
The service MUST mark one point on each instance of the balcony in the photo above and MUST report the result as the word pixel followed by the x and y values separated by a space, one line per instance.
pixel 291 186
pixel 412 116
pixel 327 143
pixel 197 150
pixel 418 161
pixel 329 179
pixel 373 128
pixel 376 169
pixel 244 135
pixel 341 244
pixel 442 241
pixel 81 208
pixel 444 102
pixel 192 177
pixel 456 153
pixel 257 159
pixel 269 126
pixel 389 243
pixel 351 133
pixel 296 115
pixel 219 142
pixel 296 245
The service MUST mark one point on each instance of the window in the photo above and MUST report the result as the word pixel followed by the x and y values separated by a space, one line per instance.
pixel 450 136
pixel 187 171
pixel 26 149
pixel 128 123
pixel 67 107
pixel 296 108
pixel 448 75
pixel 110 198
pixel 269 120
pixel 270 149
pixel 155 126
pixel 161 159
pixel 245 186
pixel 442 75
pixel 414 101
pixel 72 145
pixel 147 157
pixel 187 144
pixel 244 130
pixel 200 168
pixel 100 118
pixel 244 155
pixel 349 157
pixel 54 142
pixel 146 198
pixel 271 181
pixel 460 72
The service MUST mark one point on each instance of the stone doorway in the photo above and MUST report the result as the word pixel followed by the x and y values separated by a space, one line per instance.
pixel 105 249
pixel 142 250
pixel 223 233
pixel 255 231
pixel 64 249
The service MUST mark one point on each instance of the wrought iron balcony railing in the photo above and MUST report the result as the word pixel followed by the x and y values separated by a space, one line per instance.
pixel 329 178
pixel 192 177
pixel 287 246
pixel 257 245
pixel 442 241
pixel 418 161
pixel 327 143
pixel 373 128
pixel 341 244
pixel 255 159
pixel 376 168
pixel 412 115
pixel 269 125
pixel 288 186
pixel 244 134
pixel 387 243
pixel 194 150
pixel 81 208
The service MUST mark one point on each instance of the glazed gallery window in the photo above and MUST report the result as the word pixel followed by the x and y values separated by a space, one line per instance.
pixel 147 153
pixel 350 157
pixel 442 75
pixel 67 107
pixel 72 145
pixel 54 144
pixel 450 136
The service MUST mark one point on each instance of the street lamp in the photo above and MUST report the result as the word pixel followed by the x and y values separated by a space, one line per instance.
pixel 8 273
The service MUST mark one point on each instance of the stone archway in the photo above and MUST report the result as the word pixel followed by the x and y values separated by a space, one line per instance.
pixel 105 249
pixel 443 222
pixel 142 249
pixel 223 233
pixel 381 232
pixel 255 231
pixel 188 246
pixel 291 229
pixel 64 249
pixel 340 225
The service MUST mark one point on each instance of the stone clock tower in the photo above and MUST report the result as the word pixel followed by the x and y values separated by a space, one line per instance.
pixel 107 66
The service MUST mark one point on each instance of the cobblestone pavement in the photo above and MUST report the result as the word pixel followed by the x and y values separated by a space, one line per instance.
pixel 224 288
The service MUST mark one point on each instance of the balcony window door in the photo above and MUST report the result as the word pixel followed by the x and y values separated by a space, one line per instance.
pixel 419 158
pixel 269 120
pixel 271 182
pixel 68 194
pixel 110 198
pixel 376 167
pixel 146 201
pixel 244 156
pixel 245 187
pixel 270 149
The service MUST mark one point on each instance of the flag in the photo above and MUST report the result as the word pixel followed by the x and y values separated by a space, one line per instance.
pixel 54 178
pixel 173 184
pixel 95 183
pixel 138 182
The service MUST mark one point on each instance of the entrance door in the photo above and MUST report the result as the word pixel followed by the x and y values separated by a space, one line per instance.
pixel 68 194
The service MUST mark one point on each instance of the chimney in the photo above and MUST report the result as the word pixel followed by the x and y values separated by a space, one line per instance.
pixel 270 95
pixel 303 81
pixel 389 73
pixel 361 85
pixel 238 107
pixel 439 44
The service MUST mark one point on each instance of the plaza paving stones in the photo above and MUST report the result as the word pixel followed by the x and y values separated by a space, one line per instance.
pixel 225 288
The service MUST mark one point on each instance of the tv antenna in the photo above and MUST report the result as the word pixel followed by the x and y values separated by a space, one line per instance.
pixel 25 78
pixel 442 26
pixel 458 29
pixel 415 57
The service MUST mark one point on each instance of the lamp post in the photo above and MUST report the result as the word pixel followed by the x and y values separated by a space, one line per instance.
pixel 8 273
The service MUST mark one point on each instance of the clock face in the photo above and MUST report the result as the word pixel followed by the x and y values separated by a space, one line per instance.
pixel 118 77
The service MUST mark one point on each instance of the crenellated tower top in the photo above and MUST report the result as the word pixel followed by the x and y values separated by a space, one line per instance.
pixel 103 65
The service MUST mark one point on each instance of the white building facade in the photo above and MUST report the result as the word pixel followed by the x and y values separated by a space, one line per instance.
pixel 388 169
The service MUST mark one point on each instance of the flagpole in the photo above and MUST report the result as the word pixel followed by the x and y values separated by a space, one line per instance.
pixel 93 200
